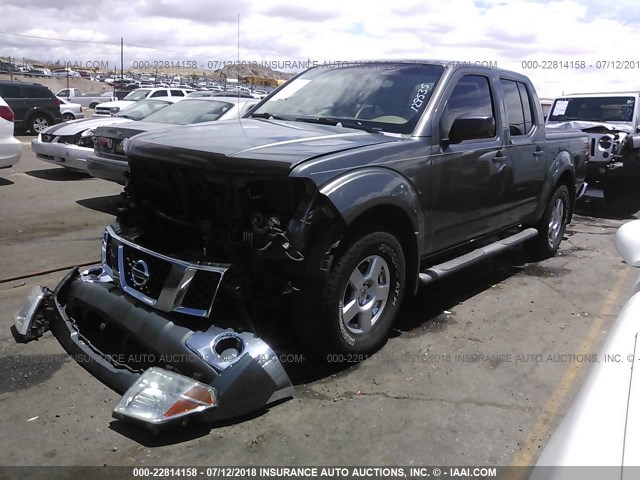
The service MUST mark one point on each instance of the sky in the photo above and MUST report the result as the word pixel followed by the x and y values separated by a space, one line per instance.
pixel 589 42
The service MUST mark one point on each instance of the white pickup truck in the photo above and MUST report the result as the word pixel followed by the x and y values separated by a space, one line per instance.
pixel 88 99
pixel 612 121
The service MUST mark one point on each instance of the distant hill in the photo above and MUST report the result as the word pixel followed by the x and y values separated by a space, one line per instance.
pixel 252 70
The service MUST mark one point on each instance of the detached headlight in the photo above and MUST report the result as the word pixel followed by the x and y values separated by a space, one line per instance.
pixel 25 316
pixel 160 397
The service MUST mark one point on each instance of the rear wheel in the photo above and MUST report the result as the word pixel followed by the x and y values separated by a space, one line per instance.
pixel 68 117
pixel 552 225
pixel 38 123
pixel 93 105
pixel 353 311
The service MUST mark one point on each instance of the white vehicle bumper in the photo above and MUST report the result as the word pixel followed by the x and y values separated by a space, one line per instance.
pixel 63 154
pixel 10 151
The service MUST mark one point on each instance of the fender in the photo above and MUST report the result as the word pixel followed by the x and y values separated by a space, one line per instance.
pixel 559 166
pixel 362 190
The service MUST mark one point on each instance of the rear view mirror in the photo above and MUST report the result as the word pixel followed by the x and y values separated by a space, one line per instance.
pixel 467 127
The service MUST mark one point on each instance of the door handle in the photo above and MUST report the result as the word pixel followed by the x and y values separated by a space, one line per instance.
pixel 538 153
pixel 499 158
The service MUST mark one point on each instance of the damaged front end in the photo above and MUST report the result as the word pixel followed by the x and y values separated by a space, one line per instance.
pixel 614 149
pixel 148 322
pixel 168 372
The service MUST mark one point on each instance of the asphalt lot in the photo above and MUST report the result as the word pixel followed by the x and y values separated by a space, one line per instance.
pixel 465 380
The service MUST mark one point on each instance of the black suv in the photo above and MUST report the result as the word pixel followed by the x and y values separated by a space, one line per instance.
pixel 34 105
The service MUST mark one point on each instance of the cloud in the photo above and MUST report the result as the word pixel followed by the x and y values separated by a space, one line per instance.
pixel 511 33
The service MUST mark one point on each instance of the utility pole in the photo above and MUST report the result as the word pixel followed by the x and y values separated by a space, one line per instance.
pixel 121 58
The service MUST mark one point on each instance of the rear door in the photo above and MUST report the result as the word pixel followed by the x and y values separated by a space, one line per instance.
pixel 468 179
pixel 525 148
pixel 13 94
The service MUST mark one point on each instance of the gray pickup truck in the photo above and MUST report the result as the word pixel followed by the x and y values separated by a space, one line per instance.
pixel 344 190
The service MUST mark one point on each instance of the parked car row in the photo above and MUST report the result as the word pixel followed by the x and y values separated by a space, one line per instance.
pixel 96 145
pixel 69 144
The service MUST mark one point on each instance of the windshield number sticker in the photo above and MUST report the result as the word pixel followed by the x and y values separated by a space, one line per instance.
pixel 420 96
pixel 561 107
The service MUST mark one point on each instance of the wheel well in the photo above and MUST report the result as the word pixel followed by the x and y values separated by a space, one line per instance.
pixel 39 113
pixel 396 221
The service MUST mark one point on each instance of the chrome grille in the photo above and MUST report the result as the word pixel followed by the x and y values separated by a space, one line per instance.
pixel 165 283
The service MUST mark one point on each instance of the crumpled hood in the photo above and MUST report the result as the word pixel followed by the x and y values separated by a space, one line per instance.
pixel 587 125
pixel 76 126
pixel 249 145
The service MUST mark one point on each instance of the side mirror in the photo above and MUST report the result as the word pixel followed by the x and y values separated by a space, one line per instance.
pixel 467 127
pixel 628 242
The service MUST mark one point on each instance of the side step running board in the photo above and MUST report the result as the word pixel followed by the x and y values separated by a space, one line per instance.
pixel 438 271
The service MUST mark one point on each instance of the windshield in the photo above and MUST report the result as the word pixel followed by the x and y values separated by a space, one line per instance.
pixel 593 109
pixel 138 94
pixel 382 96
pixel 142 109
pixel 187 112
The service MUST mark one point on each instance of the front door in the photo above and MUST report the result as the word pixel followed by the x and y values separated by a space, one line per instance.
pixel 468 179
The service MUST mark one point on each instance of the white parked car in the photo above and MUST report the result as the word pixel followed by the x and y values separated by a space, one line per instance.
pixel 70 110
pixel 602 427
pixel 10 147
pixel 69 144
pixel 111 108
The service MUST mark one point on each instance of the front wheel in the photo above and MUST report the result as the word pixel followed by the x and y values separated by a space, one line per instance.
pixel 552 225
pixel 353 311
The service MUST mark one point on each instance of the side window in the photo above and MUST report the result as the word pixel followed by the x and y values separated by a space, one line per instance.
pixel 11 91
pixel 177 93
pixel 527 106
pixel 472 96
pixel 159 93
pixel 513 104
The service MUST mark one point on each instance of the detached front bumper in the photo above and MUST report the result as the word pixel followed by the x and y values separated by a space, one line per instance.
pixel 125 345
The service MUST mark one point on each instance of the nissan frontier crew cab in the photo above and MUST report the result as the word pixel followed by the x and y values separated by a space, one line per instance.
pixel 345 189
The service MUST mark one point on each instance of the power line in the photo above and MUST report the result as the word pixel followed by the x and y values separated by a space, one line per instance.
pixel 58 39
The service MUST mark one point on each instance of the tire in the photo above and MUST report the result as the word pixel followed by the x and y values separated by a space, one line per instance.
pixel 353 311
pixel 39 122
pixel 68 117
pixel 93 105
pixel 552 225
pixel 621 196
